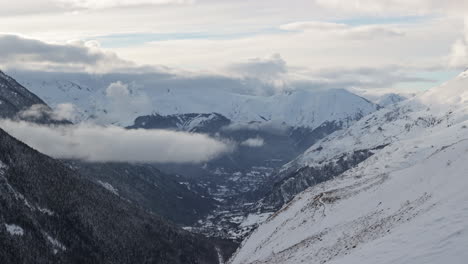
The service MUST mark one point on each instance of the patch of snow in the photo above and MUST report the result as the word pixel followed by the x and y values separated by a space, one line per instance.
pixel 109 187
pixel 57 245
pixel 220 255
pixel 255 219
pixel 14 230
pixel 45 211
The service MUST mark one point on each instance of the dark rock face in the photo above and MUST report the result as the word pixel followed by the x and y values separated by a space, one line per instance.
pixel 150 188
pixel 306 137
pixel 199 123
pixel 293 183
pixel 51 214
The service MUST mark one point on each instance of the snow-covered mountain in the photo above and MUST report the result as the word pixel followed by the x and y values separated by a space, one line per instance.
pixel 405 203
pixel 269 130
pixel 390 99
pixel 122 98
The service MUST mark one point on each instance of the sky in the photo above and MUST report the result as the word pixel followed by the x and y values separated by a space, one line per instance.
pixel 258 47
pixel 385 44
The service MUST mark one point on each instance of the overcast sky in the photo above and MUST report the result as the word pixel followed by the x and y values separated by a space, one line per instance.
pixel 404 44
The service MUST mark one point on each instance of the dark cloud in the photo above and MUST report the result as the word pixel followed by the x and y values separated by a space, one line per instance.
pixel 16 50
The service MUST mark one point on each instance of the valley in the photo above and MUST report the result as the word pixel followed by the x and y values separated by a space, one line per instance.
pixel 270 198
pixel 233 132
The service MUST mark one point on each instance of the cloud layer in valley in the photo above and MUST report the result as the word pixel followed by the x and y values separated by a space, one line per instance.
pixel 253 142
pixel 111 143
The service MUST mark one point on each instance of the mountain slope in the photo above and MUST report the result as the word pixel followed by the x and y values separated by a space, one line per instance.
pixel 404 204
pixel 150 188
pixel 51 214
pixel 189 122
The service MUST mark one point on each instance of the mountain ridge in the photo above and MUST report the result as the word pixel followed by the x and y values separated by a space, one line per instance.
pixel 169 95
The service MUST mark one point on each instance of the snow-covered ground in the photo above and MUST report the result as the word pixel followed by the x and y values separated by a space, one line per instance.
pixel 406 204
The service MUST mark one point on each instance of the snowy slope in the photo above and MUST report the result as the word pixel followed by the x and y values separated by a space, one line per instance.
pixel 296 108
pixel 390 99
pixel 167 94
pixel 405 204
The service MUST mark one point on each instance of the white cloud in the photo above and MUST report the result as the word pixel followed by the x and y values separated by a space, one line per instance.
pixel 343 30
pixel 459 54
pixel 123 103
pixel 35 112
pixel 272 67
pixel 253 142
pixel 62 112
pixel 246 33
pixel 101 4
pixel 367 77
pixel 408 7
pixel 111 143
pixel 263 75
pixel 117 90
pixel 313 26
pixel 65 111
pixel 51 7
pixel 363 46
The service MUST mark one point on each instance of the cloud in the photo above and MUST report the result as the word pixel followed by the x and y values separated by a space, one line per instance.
pixel 264 75
pixel 269 68
pixel 102 4
pixel 62 112
pixel 411 7
pixel 123 103
pixel 111 143
pixel 253 142
pixel 343 30
pixel 313 26
pixel 363 77
pixel 458 57
pixel 65 111
pixel 25 7
pixel 75 55
pixel 22 7
pixel 117 90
